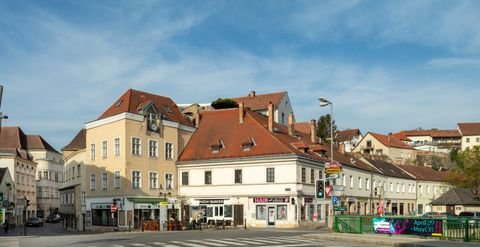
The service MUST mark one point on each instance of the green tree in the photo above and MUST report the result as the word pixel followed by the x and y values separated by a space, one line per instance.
pixel 323 128
pixel 224 103
pixel 467 172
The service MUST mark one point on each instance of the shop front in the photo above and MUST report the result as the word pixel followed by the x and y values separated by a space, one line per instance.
pixel 212 211
pixel 273 212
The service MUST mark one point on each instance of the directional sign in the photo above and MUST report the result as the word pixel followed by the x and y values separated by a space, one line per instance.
pixel 338 188
pixel 332 170
pixel 332 176
pixel 340 208
pixel 335 200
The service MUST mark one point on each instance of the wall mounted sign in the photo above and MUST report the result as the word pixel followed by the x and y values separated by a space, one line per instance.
pixel 271 200
pixel 421 227
pixel 211 201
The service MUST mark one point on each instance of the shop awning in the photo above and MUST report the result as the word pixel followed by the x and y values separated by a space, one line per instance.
pixel 146 199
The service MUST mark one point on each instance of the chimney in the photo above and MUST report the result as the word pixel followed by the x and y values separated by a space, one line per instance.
pixel 196 117
pixel 291 124
pixel 270 116
pixel 241 112
pixel 313 131
pixel 341 148
pixel 252 93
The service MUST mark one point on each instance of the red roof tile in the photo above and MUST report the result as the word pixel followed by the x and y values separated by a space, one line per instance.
pixel 36 142
pixel 425 173
pixel 390 141
pixel 79 142
pixel 469 129
pixel 347 135
pixel 132 99
pixel 303 127
pixel 260 101
pixel 432 133
pixel 224 125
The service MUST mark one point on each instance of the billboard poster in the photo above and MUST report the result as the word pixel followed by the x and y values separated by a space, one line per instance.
pixel 421 227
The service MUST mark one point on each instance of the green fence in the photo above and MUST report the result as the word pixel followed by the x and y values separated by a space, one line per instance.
pixel 453 228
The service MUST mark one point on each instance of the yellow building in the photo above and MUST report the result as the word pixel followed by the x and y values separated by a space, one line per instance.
pixel 130 155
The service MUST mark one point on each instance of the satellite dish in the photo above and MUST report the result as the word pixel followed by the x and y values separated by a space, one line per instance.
pixel 154 126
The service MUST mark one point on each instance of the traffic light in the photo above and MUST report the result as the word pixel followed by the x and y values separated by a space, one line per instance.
pixel 320 189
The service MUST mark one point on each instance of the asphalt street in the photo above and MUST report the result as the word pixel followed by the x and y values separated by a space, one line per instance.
pixel 204 238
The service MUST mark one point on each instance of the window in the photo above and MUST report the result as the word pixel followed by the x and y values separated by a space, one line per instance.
pixel 403 188
pixel 303 175
pixel 351 182
pixel 270 175
pixel 467 140
pixel 73 172
pixel 238 176
pixel 116 143
pixel 375 184
pixel 153 180
pixel 367 184
pixel 39 175
pixel 344 180
pixel 478 139
pixel 398 187
pixel 92 182
pixel 359 182
pixel 116 180
pixel 104 181
pixel 184 178
pixel 104 149
pixel 136 179
pixel 92 151
pixel 208 177
pixel 409 188
pixel 168 151
pixel 312 176
pixel 413 189
pixel 169 181
pixel 369 143
pixel 136 146
pixel 153 149
pixel 391 187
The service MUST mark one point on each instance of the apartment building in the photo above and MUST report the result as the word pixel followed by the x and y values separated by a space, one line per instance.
pixel 243 168
pixel 131 150
pixel 14 155
pixel 470 134
pixel 7 196
pixel 440 141
pixel 349 138
pixel 388 146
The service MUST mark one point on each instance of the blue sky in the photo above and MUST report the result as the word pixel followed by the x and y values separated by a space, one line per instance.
pixel 386 65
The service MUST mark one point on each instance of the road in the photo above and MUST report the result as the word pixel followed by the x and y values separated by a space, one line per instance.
pixel 204 238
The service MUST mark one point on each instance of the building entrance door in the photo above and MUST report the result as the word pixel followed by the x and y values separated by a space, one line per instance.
pixel 271 216
pixel 238 215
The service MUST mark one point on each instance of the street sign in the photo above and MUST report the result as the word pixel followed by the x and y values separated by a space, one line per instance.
pixel 328 190
pixel 338 188
pixel 332 170
pixel 332 176
pixel 340 208
pixel 335 200
pixel 113 208
pixel 334 164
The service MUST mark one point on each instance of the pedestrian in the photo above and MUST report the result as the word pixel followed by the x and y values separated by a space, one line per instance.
pixel 6 226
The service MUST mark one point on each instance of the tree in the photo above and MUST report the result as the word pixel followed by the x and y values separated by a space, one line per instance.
pixel 224 103
pixel 467 172
pixel 323 128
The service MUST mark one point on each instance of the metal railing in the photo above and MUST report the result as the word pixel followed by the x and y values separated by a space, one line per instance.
pixel 453 228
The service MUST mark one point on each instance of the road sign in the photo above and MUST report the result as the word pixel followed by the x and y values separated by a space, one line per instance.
pixel 334 164
pixel 328 190
pixel 113 208
pixel 338 188
pixel 332 176
pixel 332 170
pixel 340 208
pixel 335 200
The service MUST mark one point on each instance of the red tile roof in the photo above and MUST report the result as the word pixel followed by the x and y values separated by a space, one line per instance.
pixel 347 135
pixel 132 99
pixel 260 101
pixel 303 127
pixel 13 141
pixel 433 133
pixel 425 173
pixel 36 142
pixel 223 125
pixel 390 141
pixel 79 142
pixel 469 129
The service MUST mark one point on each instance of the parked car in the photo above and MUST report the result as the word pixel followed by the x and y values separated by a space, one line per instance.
pixel 469 214
pixel 34 222
pixel 53 219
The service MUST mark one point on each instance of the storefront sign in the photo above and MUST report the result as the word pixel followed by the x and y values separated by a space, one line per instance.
pixel 101 206
pixel 350 199
pixel 211 201
pixel 332 170
pixel 146 206
pixel 271 200
pixel 421 227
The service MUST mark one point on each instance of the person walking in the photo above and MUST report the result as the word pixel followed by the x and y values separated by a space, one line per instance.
pixel 6 226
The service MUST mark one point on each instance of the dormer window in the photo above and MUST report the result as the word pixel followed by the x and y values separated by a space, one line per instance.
pixel 247 145
pixel 152 121
pixel 215 147
pixel 167 109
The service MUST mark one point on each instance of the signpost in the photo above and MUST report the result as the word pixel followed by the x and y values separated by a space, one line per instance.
pixel 328 190
pixel 340 208
pixel 335 200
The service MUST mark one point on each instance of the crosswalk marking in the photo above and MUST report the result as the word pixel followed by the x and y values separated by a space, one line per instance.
pixel 137 244
pixel 237 240
pixel 207 241
pixel 188 244
pixel 291 239
pixel 226 242
pixel 261 240
pixel 157 243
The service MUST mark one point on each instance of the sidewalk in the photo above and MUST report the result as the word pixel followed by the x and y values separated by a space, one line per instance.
pixel 399 241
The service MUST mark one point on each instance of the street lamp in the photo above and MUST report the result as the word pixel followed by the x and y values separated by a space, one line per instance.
pixel 324 102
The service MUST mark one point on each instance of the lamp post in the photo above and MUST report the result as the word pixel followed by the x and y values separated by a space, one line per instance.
pixel 324 102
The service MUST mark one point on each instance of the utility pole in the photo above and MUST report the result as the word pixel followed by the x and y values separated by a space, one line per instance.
pixel 1 114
